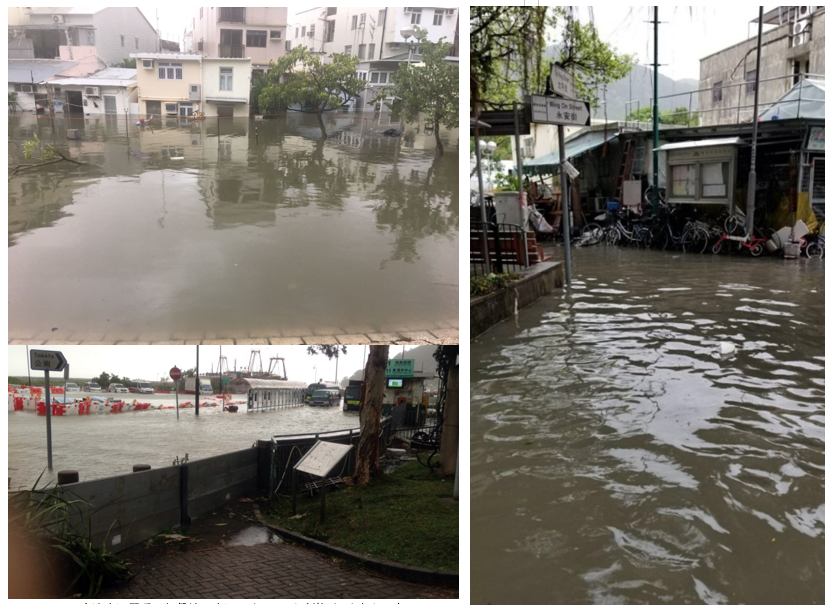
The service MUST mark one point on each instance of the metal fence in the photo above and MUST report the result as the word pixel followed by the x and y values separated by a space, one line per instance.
pixel 507 246
pixel 429 428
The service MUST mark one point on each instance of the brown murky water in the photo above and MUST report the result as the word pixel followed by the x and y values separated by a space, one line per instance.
pixel 617 457
pixel 259 229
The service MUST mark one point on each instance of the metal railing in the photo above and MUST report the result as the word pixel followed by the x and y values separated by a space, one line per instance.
pixel 738 109
pixel 231 51
pixel 507 245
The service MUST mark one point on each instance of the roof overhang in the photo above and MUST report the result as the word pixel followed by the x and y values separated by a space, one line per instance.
pixel 224 100
pixel 702 143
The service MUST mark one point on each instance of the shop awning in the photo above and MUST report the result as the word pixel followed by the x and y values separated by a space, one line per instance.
pixel 224 100
pixel 701 143
pixel 581 144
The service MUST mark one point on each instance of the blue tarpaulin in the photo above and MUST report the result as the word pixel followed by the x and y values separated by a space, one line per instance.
pixel 548 164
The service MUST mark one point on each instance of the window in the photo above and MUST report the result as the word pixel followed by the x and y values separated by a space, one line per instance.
pixel 331 11
pixel 750 80
pixel 201 13
pixel 717 92
pixel 361 51
pixel 235 14
pixel 200 45
pixel 170 71
pixel 715 180
pixel 184 110
pixel 361 75
pixel 363 19
pixel 354 22
pixel 329 30
pixel 276 34
pixel 375 76
pixel 136 42
pixel 171 107
pixel 257 39
pixel 383 76
pixel 303 31
pixel 684 180
pixel 122 40
pixel 416 13
pixel 438 19
pixel 370 52
pixel 225 78
pixel 348 51
pixel 90 37
pixel 296 33
pixel 381 17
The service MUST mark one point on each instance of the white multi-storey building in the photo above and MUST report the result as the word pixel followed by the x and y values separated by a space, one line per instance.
pixel 381 38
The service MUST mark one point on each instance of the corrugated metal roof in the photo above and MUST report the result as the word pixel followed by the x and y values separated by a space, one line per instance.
pixel 575 147
pixel 701 143
pixel 23 71
pixel 263 383
pixel 806 100
pixel 94 82
pixel 115 73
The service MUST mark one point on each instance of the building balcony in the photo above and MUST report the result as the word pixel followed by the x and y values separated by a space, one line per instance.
pixel 231 51
pixel 232 15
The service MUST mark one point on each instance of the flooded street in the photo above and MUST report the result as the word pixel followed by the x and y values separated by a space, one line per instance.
pixel 232 228
pixel 619 457
pixel 104 445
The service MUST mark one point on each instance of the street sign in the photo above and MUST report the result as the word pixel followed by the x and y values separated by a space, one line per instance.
pixel 321 459
pixel 564 112
pixel 503 123
pixel 224 379
pixel 400 368
pixel 563 83
pixel 175 373
pixel 49 361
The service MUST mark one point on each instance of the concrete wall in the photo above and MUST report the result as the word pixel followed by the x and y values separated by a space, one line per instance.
pixel 731 66
pixel 152 89
pixel 212 482
pixel 207 30
pixel 241 85
pixel 111 23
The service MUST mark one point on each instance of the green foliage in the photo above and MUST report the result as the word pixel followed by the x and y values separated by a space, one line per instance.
pixel 431 88
pixel 12 99
pixel 44 520
pixel 503 151
pixel 509 43
pixel 680 116
pixel 126 63
pixel 258 82
pixel 506 182
pixel 34 149
pixel 485 284
pixel 330 351
pixel 301 78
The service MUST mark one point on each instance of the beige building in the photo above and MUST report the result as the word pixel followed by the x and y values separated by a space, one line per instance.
pixel 181 84
pixel 257 33
pixel 793 48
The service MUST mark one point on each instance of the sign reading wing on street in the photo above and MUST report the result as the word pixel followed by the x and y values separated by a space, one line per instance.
pixel 321 459
pixel 565 112
pixel 50 361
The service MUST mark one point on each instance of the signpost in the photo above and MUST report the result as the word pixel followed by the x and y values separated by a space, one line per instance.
pixel 47 361
pixel 563 83
pixel 563 112
pixel 400 368
pixel 319 461
pixel 175 374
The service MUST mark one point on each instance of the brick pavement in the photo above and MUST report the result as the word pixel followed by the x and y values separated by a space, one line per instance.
pixel 263 571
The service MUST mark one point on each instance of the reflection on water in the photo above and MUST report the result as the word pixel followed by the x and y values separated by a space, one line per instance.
pixel 233 228
pixel 103 445
pixel 618 457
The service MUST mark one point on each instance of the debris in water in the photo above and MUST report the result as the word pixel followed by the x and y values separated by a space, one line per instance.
pixel 53 329
pixel 727 349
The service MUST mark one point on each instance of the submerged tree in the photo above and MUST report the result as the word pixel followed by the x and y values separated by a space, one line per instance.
pixel 300 81
pixel 431 88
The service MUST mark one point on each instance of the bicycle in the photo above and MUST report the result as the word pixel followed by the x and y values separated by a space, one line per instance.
pixel 755 245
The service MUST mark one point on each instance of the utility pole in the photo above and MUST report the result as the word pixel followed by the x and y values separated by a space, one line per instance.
pixel 752 174
pixel 198 381
pixel 656 101
pixel 565 206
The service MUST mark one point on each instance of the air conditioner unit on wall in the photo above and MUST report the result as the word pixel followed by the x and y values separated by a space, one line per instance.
pixel 147 63
pixel 26 88
pixel 171 109
pixel 801 32
pixel 92 91
pixel 58 19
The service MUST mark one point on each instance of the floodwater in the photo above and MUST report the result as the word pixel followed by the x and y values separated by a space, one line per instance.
pixel 232 229
pixel 103 445
pixel 617 457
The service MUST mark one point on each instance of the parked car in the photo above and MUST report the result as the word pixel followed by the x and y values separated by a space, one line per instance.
pixel 117 387
pixel 325 397
pixel 71 387
pixel 143 387
pixel 91 387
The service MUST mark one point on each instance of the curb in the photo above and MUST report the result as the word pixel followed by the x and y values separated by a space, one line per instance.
pixel 419 575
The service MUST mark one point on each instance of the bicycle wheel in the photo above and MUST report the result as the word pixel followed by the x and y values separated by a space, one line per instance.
pixel 731 225
pixel 756 250
pixel 700 241
pixel 813 250
pixel 614 237
pixel 592 233
pixel 717 247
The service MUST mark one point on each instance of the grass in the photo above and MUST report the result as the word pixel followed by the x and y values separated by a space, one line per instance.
pixel 484 284
pixel 407 517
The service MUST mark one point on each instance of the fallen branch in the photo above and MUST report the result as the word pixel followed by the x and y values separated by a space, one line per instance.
pixel 62 158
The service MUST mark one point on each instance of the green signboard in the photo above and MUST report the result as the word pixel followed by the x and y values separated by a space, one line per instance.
pixel 224 379
pixel 400 368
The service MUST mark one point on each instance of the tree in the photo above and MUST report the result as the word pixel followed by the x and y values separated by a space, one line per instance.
pixel 258 81
pixel 430 89
pixel 104 380
pixel 679 116
pixel 330 351
pixel 301 78
pixel 126 63
pixel 368 449
pixel 509 54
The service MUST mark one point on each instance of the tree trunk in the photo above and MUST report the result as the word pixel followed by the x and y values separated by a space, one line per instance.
pixel 449 437
pixel 368 450
pixel 437 138
pixel 322 125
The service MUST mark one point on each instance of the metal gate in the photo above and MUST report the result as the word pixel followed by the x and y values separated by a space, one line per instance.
pixel 817 186
pixel 109 104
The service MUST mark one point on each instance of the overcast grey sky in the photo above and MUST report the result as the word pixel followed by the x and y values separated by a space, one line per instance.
pixel 153 362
